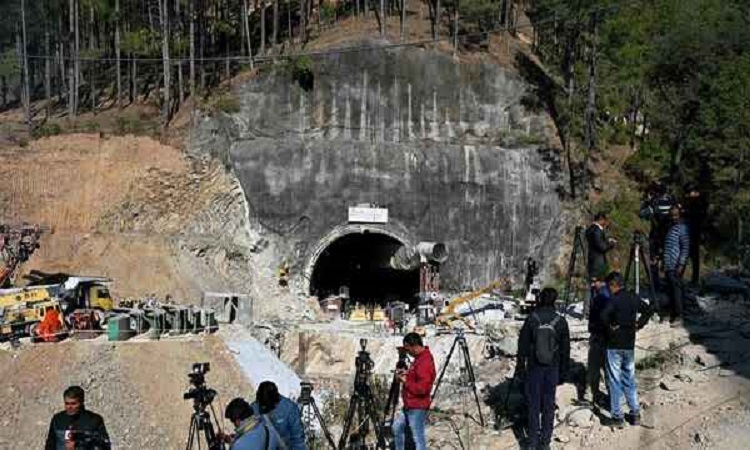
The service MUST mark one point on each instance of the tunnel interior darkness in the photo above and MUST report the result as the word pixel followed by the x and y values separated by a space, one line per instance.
pixel 360 261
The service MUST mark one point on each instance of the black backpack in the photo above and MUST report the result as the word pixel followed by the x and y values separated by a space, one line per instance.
pixel 545 340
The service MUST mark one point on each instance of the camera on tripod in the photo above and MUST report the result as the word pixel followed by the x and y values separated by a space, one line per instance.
pixel 402 363
pixel 199 392
pixel 305 394
pixel 364 364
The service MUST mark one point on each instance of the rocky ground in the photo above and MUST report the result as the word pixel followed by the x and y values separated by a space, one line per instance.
pixel 136 386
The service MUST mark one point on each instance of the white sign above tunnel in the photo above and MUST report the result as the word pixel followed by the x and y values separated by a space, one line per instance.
pixel 360 214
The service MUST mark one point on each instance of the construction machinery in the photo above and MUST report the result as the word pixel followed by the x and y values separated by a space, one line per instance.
pixel 449 316
pixel 22 312
pixel 17 244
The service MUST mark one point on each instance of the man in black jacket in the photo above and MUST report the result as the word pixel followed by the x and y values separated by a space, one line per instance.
pixel 598 246
pixel 543 357
pixel 76 427
pixel 620 319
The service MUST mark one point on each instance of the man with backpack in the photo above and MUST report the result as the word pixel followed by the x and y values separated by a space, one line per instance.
pixel 543 357
pixel 620 320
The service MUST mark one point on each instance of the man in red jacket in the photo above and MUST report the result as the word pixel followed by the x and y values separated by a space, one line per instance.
pixel 415 393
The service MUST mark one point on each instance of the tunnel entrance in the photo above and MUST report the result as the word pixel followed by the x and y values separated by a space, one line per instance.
pixel 359 262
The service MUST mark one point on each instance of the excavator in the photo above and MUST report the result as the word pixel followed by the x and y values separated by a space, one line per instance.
pixel 448 317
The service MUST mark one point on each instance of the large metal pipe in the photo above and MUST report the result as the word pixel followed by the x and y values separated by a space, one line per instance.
pixel 409 258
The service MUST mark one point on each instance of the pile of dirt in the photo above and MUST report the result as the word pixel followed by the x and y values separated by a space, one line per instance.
pixel 136 386
pixel 129 208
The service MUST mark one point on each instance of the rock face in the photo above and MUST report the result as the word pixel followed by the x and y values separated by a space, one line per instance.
pixel 446 148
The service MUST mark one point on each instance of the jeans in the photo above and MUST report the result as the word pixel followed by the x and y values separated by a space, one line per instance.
pixel 621 379
pixel 675 290
pixel 541 384
pixel 596 362
pixel 416 419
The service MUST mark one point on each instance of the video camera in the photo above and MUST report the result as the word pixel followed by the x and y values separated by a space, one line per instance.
pixel 199 392
pixel 305 394
pixel 402 363
pixel 364 364
pixel 88 440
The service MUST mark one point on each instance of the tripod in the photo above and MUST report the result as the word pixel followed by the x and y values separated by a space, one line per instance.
pixel 578 249
pixel 201 421
pixel 636 255
pixel 362 404
pixel 460 342
pixel 309 410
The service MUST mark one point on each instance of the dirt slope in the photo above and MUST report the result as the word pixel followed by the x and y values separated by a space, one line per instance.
pixel 137 387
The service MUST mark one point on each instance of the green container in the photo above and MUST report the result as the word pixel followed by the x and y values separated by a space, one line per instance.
pixel 118 328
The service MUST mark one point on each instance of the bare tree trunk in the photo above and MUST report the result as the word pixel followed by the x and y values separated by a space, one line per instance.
pixel 590 113
pixel 25 61
pixel 117 54
pixel 192 49
pixel 302 21
pixel 92 64
pixel 403 20
pixel 77 91
pixel 246 28
pixel 179 29
pixel 289 22
pixel 71 66
pixel 164 20
pixel 133 79
pixel 262 28
pixel 455 28
pixel 436 34
pixel 202 46
pixel 47 69
pixel 382 17
pixel 275 32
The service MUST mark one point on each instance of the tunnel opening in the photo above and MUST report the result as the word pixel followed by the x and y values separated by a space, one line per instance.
pixel 360 264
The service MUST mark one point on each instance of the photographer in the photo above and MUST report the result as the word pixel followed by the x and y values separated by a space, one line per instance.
pixel 417 385
pixel 655 208
pixel 76 427
pixel 251 433
pixel 281 414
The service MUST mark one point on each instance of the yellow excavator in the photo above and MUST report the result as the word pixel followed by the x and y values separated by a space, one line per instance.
pixel 448 316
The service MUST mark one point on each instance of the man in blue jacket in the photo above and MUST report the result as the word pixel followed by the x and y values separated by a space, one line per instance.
pixel 676 252
pixel 251 433
pixel 281 414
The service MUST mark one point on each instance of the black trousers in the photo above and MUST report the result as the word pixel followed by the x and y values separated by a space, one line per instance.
pixel 596 363
pixel 695 257
pixel 675 290
pixel 541 384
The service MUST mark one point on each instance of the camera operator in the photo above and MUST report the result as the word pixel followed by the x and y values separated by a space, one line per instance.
pixel 251 433
pixel 76 427
pixel 281 414
pixel 655 208
pixel 415 393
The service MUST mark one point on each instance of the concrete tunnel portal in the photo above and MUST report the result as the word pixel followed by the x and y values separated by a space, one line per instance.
pixel 360 261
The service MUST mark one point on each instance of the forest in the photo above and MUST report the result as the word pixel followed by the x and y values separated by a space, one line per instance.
pixel 670 79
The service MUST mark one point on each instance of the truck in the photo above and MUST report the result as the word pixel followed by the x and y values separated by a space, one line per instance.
pixel 23 309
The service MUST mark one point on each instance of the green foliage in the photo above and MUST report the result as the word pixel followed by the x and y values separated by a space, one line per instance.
pixel 302 72
pixel 226 103
pixel 9 64
pixel 480 13
pixel 136 125
pixel 660 360
pixel 46 130
pixel 143 42
pixel 327 11
pixel 673 78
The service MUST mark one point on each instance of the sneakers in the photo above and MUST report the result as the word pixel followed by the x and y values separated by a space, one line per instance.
pixel 676 323
pixel 634 419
